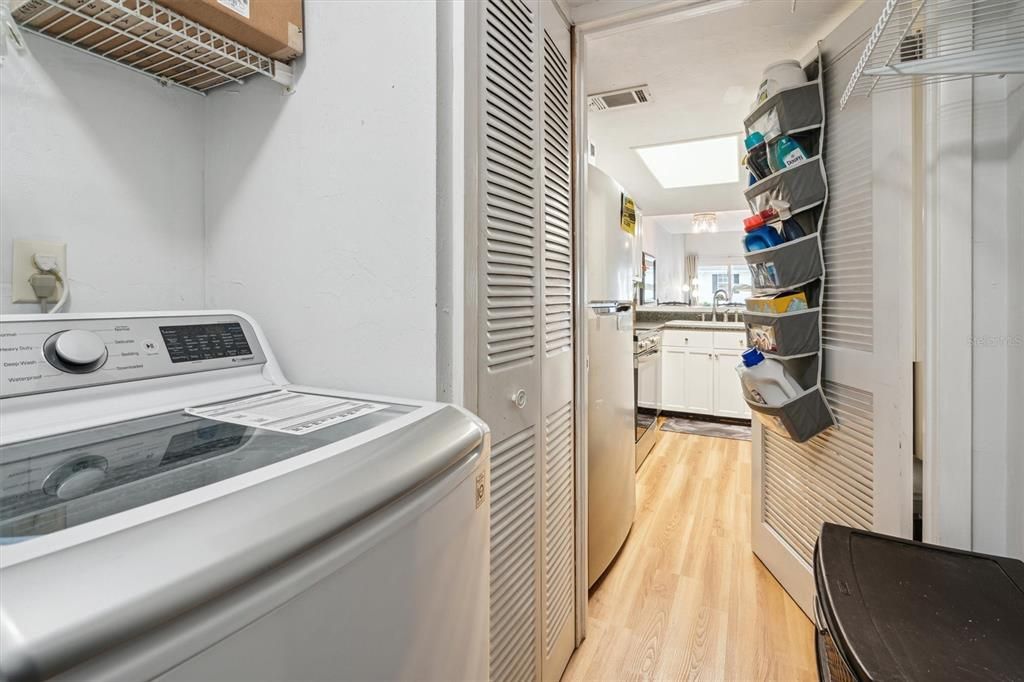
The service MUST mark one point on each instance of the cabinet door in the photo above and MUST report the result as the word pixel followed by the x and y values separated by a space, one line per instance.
pixel 700 381
pixel 673 379
pixel 728 392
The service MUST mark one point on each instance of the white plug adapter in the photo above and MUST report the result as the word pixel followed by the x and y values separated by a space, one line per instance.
pixel 46 262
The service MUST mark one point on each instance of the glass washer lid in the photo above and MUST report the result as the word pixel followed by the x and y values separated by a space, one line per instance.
pixel 60 481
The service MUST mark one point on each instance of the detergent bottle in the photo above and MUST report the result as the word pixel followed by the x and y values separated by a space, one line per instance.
pixel 784 152
pixel 766 380
pixel 759 235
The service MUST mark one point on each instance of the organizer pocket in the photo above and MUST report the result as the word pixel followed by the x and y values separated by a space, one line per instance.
pixel 788 111
pixel 800 418
pixel 787 265
pixel 784 334
pixel 802 186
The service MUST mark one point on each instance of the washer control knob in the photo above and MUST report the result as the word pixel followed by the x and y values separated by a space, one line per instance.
pixel 80 347
pixel 76 351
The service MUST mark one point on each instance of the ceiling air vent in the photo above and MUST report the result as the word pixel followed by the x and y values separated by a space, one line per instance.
pixel 616 99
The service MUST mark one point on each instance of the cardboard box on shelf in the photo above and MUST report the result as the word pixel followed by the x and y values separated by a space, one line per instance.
pixel 779 303
pixel 270 27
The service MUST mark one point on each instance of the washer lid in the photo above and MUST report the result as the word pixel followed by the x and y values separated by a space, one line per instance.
pixel 905 610
pixel 130 572
pixel 53 483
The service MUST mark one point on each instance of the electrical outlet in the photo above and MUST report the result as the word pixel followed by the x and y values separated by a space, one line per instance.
pixel 23 267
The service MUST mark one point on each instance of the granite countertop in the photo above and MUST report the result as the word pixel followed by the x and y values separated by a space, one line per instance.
pixel 689 324
pixel 686 317
pixel 697 324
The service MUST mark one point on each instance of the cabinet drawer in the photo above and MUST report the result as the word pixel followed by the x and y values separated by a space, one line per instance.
pixel 730 340
pixel 688 338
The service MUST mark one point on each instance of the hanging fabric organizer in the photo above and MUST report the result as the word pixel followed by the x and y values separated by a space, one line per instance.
pixel 793 338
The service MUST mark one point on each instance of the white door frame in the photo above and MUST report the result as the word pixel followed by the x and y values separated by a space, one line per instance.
pixel 947 298
pixel 458 59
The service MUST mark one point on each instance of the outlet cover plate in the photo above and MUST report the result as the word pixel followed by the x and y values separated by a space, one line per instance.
pixel 23 267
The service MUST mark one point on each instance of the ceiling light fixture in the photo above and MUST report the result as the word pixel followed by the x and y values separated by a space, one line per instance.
pixel 705 222
pixel 696 163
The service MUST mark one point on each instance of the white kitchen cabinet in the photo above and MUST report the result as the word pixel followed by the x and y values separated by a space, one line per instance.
pixel 700 381
pixel 698 372
pixel 729 400
pixel 673 379
pixel 687 380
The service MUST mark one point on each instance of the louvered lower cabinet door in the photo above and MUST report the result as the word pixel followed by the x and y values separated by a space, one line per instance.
pixel 525 384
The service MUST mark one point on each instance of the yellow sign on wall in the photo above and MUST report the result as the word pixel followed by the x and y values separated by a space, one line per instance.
pixel 628 215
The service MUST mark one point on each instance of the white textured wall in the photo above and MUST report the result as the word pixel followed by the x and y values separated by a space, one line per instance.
pixel 667 248
pixel 720 246
pixel 320 206
pixel 111 163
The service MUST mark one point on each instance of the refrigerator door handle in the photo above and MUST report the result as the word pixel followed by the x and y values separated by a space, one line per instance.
pixel 609 307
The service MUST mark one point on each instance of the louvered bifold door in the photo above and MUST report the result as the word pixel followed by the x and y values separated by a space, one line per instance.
pixel 510 339
pixel 859 473
pixel 558 520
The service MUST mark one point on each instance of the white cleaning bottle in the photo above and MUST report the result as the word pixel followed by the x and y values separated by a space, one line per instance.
pixel 766 380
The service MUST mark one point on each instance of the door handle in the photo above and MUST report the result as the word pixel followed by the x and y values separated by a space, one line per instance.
pixel 519 398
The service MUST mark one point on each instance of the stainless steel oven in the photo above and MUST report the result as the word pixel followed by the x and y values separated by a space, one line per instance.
pixel 646 390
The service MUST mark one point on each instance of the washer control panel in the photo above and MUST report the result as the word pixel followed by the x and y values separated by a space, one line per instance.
pixel 40 355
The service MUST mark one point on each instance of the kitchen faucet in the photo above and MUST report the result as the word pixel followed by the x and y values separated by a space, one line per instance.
pixel 714 303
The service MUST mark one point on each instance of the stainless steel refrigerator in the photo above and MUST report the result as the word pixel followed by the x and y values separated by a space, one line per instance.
pixel 611 485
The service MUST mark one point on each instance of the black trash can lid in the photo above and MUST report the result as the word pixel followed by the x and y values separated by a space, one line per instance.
pixel 905 610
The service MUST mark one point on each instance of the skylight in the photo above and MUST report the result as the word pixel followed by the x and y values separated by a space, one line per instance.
pixel 696 163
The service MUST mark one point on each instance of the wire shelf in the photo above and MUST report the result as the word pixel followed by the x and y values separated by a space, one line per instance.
pixel 928 41
pixel 149 38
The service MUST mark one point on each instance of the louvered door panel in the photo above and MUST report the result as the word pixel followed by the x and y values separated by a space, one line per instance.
pixel 557 212
pixel 848 240
pixel 558 535
pixel 558 524
pixel 526 334
pixel 513 558
pixel 828 478
pixel 511 340
pixel 510 188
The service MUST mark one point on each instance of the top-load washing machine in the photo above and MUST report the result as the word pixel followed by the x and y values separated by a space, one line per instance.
pixel 170 507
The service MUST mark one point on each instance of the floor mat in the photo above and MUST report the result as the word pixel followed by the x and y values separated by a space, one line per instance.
pixel 703 428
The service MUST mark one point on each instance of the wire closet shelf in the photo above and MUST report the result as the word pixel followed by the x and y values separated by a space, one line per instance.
pixel 930 41
pixel 149 38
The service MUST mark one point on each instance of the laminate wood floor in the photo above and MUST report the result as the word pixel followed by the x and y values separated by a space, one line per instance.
pixel 686 598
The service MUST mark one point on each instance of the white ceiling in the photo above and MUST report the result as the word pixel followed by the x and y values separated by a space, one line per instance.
pixel 703 72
